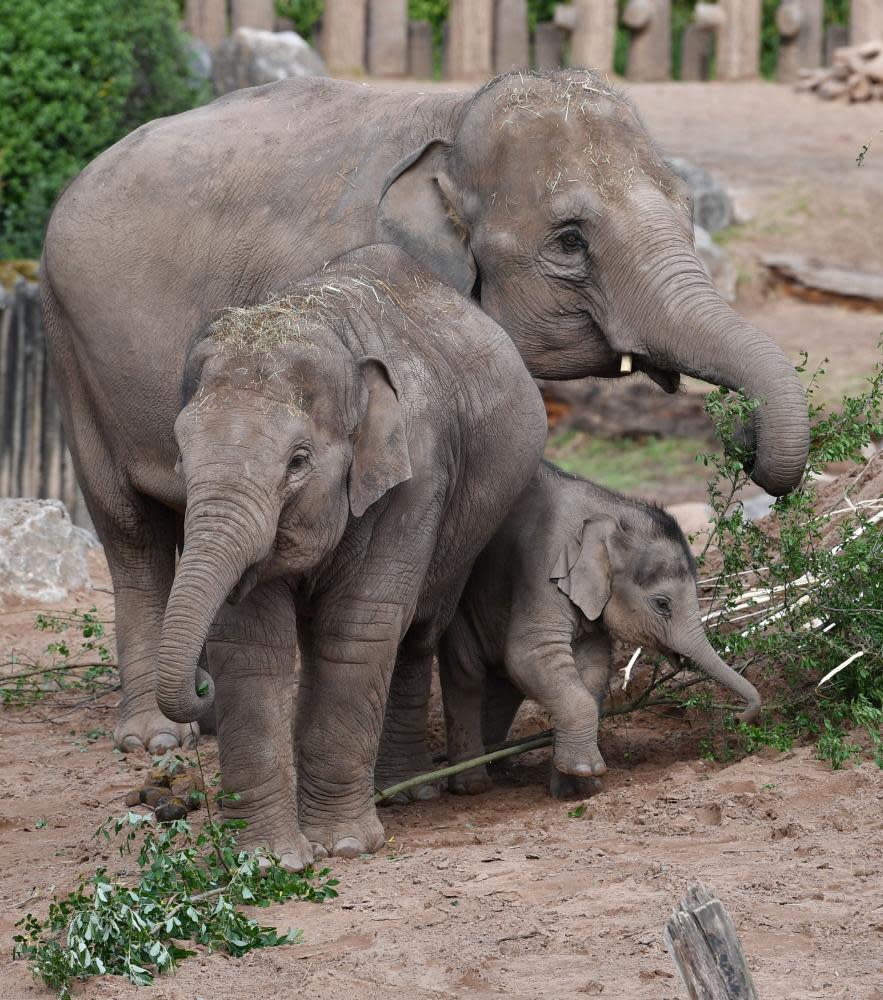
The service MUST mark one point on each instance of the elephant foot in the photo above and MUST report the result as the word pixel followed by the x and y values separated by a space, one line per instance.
pixel 152 731
pixel 471 782
pixel 394 768
pixel 585 763
pixel 292 849
pixel 345 838
pixel 569 786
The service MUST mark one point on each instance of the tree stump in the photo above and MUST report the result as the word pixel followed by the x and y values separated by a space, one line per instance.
pixel 697 48
pixel 865 21
pixel 470 39
pixel 420 61
pixel 388 37
pixel 738 39
pixel 343 36
pixel 649 56
pixel 800 24
pixel 702 941
pixel 253 14
pixel 511 37
pixel 593 27
pixel 207 20
pixel 548 46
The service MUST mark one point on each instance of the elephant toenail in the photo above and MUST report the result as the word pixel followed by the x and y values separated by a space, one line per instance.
pixel 349 847
pixel 426 792
pixel 162 742
pixel 319 852
pixel 131 744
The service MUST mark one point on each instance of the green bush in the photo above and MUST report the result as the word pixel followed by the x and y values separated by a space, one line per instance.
pixel 76 76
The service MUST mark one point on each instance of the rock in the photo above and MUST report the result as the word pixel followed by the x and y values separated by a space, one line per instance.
pixel 201 62
pixel 42 554
pixel 717 264
pixel 251 57
pixel 758 506
pixel 825 278
pixel 712 206
pixel 694 518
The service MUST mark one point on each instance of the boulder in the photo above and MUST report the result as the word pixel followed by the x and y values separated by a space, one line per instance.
pixel 717 263
pixel 251 57
pixel 42 553
pixel 712 206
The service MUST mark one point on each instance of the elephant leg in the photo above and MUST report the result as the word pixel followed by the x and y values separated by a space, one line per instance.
pixel 463 674
pixel 404 751
pixel 139 542
pixel 546 671
pixel 593 658
pixel 500 705
pixel 251 657
pixel 348 654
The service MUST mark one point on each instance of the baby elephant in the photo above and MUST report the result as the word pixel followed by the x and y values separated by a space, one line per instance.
pixel 573 566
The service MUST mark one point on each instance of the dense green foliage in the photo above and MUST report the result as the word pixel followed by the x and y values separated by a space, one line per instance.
pixel 189 888
pixel 303 14
pixel 76 76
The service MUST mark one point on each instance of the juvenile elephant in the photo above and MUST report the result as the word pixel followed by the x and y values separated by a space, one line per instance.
pixel 345 453
pixel 542 196
pixel 572 566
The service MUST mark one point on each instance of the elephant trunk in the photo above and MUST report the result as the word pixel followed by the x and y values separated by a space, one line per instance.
pixel 701 652
pixel 222 539
pixel 699 334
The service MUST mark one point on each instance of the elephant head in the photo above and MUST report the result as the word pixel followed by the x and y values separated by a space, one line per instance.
pixel 549 201
pixel 283 436
pixel 634 572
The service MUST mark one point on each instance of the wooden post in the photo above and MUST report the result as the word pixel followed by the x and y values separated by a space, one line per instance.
pixel 593 27
pixel 388 37
pixel 420 55
pixel 548 46
pixel 253 14
pixel 703 943
pixel 511 38
pixel 697 48
pixel 800 46
pixel 470 39
pixel 865 21
pixel 736 24
pixel 343 36
pixel 649 57
pixel 207 20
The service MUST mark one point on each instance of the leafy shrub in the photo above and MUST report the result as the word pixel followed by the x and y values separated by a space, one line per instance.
pixel 189 889
pixel 76 76
pixel 304 14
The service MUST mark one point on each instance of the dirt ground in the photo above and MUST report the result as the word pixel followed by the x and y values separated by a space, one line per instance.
pixel 504 894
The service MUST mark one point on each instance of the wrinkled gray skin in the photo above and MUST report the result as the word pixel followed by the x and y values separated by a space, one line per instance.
pixel 544 196
pixel 344 475
pixel 573 566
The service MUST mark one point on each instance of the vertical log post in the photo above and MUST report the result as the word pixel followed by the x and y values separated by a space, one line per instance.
pixel 511 37
pixel 253 14
pixel 343 36
pixel 800 29
pixel 865 21
pixel 548 46
pixel 594 34
pixel 702 941
pixel 207 20
pixel 697 48
pixel 649 57
pixel 470 39
pixel 388 37
pixel 420 53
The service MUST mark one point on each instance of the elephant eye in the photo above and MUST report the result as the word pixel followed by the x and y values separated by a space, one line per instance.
pixel 571 241
pixel 298 463
pixel 661 605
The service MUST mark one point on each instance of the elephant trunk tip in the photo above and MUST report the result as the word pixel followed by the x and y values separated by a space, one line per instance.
pixel 751 712
pixel 187 705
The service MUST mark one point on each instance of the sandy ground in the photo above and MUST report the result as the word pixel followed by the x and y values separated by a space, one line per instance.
pixel 504 895
pixel 501 894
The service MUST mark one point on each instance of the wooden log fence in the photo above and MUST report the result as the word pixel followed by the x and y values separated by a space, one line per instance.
pixel 483 37
pixel 34 460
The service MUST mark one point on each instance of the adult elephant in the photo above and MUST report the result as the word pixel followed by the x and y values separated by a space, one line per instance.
pixel 543 195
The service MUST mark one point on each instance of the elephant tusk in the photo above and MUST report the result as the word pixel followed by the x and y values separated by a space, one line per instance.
pixel 625 364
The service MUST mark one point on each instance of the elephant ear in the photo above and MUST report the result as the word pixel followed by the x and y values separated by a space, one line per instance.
pixel 583 570
pixel 380 445
pixel 421 210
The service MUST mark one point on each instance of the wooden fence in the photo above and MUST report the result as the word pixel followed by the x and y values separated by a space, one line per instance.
pixel 484 37
pixel 34 461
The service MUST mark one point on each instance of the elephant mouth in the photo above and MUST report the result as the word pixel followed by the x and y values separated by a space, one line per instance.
pixel 668 381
